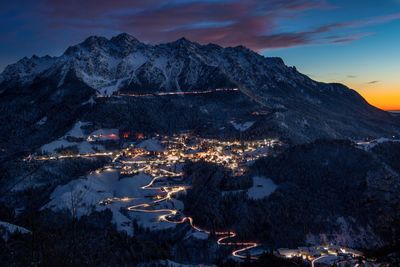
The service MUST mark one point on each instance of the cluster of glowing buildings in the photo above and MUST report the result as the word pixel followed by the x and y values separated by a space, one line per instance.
pixel 324 255
pixel 169 153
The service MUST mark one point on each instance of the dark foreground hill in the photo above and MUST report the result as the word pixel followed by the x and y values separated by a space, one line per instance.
pixel 327 191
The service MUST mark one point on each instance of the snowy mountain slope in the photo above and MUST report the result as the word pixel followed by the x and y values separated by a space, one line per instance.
pixel 26 69
pixel 298 108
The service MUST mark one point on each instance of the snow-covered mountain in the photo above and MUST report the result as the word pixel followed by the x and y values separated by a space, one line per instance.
pixel 125 63
pixel 292 105
pixel 122 62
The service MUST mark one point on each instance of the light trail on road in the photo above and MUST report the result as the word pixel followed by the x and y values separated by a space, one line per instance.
pixel 179 93
pixel 170 191
pixel 164 166
pixel 57 157
pixel 316 259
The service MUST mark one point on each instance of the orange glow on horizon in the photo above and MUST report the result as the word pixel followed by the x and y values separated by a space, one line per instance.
pixel 381 95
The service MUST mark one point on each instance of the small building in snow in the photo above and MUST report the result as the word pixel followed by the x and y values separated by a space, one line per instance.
pixel 104 135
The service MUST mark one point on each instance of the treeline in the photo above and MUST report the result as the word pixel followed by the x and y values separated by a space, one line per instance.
pixel 59 240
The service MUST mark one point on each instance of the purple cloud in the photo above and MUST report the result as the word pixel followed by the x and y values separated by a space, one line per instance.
pixel 253 23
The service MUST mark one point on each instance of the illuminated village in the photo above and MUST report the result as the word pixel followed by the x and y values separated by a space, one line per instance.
pixel 326 255
pixel 170 152
pixel 163 158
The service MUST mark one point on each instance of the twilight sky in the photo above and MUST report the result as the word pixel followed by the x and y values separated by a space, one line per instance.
pixel 355 42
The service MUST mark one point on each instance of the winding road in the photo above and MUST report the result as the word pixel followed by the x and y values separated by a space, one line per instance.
pixel 179 93
pixel 224 236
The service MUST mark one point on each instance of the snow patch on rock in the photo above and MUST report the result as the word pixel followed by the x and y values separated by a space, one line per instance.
pixel 42 121
pixel 242 126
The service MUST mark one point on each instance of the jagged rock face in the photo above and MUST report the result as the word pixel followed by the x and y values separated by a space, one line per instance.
pixel 300 109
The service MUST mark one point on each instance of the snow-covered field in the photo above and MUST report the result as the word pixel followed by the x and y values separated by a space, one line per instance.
pixel 262 187
pixel 85 146
pixel 105 190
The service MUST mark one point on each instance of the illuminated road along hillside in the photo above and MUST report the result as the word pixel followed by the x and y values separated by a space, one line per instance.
pixel 170 191
pixel 162 158
pixel 232 154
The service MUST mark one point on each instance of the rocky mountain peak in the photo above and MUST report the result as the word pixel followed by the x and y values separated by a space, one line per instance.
pixel 92 41
pixel 124 39
pixel 184 43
